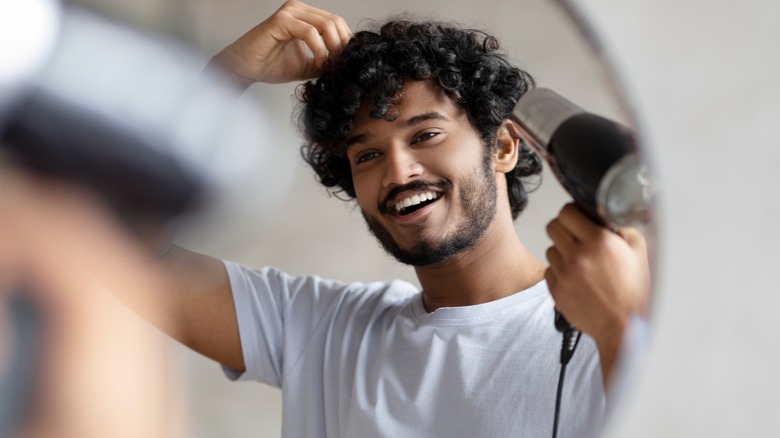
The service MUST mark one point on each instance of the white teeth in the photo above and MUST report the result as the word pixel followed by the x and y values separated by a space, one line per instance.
pixel 415 199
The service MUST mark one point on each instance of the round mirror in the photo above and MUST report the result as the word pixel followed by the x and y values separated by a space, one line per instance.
pixel 313 233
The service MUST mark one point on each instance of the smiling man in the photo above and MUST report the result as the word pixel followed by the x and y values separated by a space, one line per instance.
pixel 413 122
pixel 402 183
pixel 431 150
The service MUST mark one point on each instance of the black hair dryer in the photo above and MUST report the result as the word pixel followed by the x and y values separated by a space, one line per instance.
pixel 595 159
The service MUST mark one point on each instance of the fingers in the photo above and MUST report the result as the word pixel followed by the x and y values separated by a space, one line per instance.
pixel 332 22
pixel 290 45
pixel 555 258
pixel 326 30
pixel 310 35
pixel 570 229
pixel 573 234
pixel 550 278
pixel 322 31
pixel 561 237
pixel 554 270
pixel 579 225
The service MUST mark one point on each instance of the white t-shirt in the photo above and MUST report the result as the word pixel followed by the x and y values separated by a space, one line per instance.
pixel 367 360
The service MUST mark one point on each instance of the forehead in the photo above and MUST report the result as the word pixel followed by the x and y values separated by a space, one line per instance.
pixel 416 97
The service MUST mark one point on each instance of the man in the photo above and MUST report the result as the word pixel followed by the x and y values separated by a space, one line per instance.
pixel 413 122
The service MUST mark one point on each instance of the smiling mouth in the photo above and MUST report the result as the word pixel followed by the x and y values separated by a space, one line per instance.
pixel 415 202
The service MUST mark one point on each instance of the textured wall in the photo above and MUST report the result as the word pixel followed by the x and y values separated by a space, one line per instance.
pixel 704 77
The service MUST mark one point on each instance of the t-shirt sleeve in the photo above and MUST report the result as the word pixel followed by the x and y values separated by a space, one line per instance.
pixel 276 315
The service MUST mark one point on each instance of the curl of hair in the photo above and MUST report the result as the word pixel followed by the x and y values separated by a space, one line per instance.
pixel 372 68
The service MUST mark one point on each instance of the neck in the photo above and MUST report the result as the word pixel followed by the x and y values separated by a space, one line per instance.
pixel 499 265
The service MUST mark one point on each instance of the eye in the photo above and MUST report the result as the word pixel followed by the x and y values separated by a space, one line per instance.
pixel 425 136
pixel 366 156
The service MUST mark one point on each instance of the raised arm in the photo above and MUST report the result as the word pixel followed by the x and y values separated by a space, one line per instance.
pixel 292 44
pixel 190 298
pixel 598 279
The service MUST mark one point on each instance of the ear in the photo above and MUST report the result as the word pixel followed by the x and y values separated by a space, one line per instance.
pixel 507 144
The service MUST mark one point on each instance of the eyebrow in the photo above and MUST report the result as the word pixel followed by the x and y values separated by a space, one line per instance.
pixel 432 115
pixel 424 118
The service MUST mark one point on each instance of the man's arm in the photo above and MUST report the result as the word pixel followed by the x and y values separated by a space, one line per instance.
pixel 196 306
pixel 598 279
pixel 196 300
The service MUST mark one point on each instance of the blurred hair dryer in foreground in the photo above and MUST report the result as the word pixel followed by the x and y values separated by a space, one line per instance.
pixel 130 116
pixel 595 159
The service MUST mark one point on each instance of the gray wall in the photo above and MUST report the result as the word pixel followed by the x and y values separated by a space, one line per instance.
pixel 704 78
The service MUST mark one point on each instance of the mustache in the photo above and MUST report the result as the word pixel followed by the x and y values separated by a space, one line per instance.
pixel 386 206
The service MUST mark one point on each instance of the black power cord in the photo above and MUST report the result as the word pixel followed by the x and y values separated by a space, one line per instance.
pixel 571 337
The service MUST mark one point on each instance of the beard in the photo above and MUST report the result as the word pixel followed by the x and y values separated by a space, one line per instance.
pixel 478 200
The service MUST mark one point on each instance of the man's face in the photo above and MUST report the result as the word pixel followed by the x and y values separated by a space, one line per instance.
pixel 424 182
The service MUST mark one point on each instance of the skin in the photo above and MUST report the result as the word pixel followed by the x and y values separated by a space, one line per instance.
pixel 54 240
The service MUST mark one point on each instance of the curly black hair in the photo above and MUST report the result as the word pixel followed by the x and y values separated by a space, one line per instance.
pixel 465 63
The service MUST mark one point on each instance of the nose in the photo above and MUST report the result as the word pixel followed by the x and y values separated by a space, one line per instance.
pixel 401 166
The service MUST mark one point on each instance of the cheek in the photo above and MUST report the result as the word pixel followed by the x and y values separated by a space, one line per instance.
pixel 365 193
pixel 468 167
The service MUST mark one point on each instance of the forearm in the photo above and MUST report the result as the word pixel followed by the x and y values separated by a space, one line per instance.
pixel 188 296
pixel 221 63
pixel 609 345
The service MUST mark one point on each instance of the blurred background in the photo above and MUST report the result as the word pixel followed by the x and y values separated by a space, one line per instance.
pixel 302 229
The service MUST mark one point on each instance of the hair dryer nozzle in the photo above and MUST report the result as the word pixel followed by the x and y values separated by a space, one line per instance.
pixel 594 158
pixel 539 113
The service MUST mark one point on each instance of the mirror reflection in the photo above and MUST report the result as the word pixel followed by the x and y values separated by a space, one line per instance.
pixel 400 262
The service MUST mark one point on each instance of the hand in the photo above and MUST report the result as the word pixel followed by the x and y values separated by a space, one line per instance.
pixel 597 277
pixel 277 50
pixel 68 250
